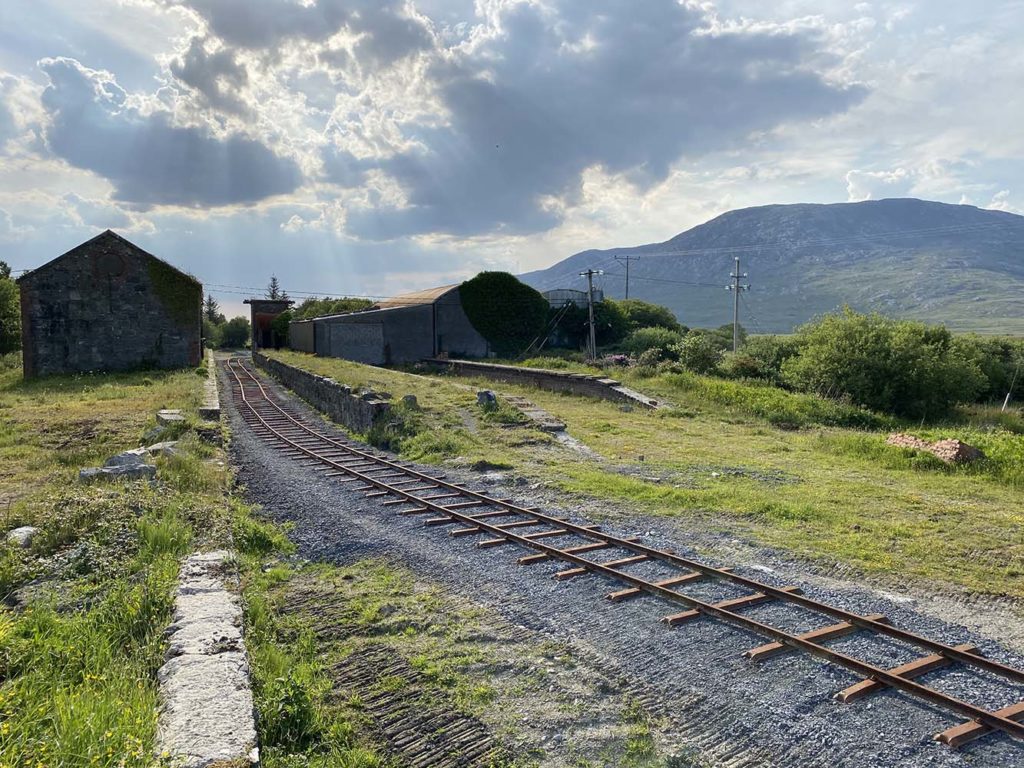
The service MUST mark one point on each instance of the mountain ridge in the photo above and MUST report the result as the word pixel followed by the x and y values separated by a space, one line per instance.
pixel 956 264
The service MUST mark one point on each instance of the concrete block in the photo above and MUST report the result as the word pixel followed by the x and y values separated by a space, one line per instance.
pixel 169 416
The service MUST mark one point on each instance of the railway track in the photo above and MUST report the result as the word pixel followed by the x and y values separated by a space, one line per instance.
pixel 498 522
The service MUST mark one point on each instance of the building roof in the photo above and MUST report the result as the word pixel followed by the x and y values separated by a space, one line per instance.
pixel 112 238
pixel 428 296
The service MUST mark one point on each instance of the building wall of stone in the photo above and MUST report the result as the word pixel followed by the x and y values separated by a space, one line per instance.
pixel 108 306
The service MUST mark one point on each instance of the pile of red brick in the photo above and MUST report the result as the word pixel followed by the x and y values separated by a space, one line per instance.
pixel 951 451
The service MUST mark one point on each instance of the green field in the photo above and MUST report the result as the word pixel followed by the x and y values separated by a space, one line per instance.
pixel 717 459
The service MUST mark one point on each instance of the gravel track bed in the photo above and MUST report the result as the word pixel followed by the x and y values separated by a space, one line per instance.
pixel 720 706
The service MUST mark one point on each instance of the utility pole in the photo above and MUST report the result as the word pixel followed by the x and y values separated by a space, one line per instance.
pixel 625 260
pixel 736 287
pixel 589 274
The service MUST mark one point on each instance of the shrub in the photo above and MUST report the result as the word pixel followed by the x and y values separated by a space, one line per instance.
pixel 643 314
pixel 508 313
pixel 999 359
pixel 897 366
pixel 645 339
pixel 698 352
pixel 760 358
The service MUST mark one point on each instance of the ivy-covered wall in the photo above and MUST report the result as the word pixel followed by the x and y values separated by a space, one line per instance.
pixel 108 305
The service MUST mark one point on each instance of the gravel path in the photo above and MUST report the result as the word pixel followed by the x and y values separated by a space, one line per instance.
pixel 721 707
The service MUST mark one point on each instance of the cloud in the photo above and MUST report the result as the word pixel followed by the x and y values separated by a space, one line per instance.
pixel 387 29
pixel 549 90
pixel 874 185
pixel 8 128
pixel 217 76
pixel 95 125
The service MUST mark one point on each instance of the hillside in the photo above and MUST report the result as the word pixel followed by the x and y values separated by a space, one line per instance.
pixel 955 264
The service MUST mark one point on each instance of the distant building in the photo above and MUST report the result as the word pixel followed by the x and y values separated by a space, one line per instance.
pixel 263 312
pixel 108 305
pixel 402 329
pixel 559 296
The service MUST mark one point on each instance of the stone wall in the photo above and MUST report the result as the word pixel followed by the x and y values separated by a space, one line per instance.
pixel 555 381
pixel 358 412
pixel 106 306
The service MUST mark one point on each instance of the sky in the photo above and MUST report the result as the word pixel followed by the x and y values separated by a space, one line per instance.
pixel 370 147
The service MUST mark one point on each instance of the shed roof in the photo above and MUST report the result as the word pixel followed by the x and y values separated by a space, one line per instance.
pixel 110 237
pixel 417 297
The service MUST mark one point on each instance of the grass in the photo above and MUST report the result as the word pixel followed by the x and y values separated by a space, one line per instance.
pixel 446 424
pixel 81 646
pixel 805 474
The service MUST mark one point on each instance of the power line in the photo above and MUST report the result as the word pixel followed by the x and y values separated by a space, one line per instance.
pixel 667 280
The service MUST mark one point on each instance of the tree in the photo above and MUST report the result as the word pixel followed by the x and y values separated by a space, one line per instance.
pixel 211 310
pixel 234 334
pixel 508 313
pixel 10 312
pixel 275 291
pixel 311 307
pixel 643 314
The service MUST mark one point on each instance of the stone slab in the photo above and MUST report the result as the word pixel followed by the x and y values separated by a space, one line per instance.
pixel 206 712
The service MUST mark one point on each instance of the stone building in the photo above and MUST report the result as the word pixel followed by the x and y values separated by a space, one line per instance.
pixel 402 329
pixel 263 312
pixel 108 305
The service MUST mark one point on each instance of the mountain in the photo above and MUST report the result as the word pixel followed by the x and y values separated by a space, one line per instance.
pixel 953 264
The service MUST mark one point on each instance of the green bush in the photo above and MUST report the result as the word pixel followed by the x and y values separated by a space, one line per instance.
pixel 645 339
pixel 760 358
pixel 697 352
pixel 896 366
pixel 509 314
pixel 234 333
pixel 643 314
pixel 999 360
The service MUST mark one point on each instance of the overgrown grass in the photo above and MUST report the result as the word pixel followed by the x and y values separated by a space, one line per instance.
pixel 727 455
pixel 83 640
pixel 446 424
